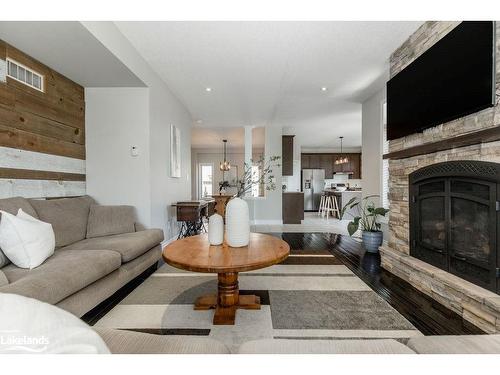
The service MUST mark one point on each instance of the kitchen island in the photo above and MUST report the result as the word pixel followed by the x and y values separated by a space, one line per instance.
pixel 344 197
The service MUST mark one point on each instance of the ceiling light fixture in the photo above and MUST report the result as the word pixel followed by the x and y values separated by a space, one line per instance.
pixel 208 89
pixel 224 165
pixel 341 159
pixel 324 89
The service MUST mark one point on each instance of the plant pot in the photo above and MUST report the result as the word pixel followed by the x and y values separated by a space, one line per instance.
pixel 237 223
pixel 372 240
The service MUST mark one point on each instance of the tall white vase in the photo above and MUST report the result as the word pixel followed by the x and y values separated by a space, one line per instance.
pixel 237 223
pixel 215 229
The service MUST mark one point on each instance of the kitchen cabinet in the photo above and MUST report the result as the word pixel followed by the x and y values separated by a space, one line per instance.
pixel 315 161
pixel 327 162
pixel 304 161
pixel 355 165
pixel 293 207
pixel 287 155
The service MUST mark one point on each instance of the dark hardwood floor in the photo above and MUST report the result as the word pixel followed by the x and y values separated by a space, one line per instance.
pixel 427 315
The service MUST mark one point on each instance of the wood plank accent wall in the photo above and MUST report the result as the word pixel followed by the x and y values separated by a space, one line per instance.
pixel 48 126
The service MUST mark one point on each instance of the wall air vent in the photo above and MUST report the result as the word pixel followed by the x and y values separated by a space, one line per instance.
pixel 24 75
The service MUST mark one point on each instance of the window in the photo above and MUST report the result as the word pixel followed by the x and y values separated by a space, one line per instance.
pixel 24 75
pixel 255 177
pixel 206 180
pixel 385 162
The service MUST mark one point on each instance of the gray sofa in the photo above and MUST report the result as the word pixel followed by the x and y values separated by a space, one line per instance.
pixel 87 266
pixel 130 342
pixel 471 344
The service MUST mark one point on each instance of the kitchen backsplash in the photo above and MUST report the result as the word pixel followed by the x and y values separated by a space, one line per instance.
pixel 343 179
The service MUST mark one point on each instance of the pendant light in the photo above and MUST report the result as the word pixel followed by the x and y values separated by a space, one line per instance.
pixel 224 165
pixel 341 159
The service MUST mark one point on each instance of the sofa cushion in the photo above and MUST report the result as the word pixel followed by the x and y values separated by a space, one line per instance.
pixel 109 220
pixel 473 344
pixel 129 245
pixel 22 317
pixel 12 205
pixel 63 274
pixel 130 342
pixel 292 346
pixel 27 241
pixel 3 279
pixel 68 217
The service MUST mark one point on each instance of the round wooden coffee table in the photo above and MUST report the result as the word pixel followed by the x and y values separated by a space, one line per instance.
pixel 195 254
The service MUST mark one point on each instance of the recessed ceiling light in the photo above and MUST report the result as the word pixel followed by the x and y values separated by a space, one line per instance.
pixel 199 121
pixel 208 89
pixel 324 88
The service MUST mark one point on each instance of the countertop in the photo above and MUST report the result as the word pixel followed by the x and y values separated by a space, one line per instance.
pixel 340 192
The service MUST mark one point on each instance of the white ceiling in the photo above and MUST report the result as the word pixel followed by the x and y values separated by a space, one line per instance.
pixel 270 73
pixel 70 49
pixel 203 137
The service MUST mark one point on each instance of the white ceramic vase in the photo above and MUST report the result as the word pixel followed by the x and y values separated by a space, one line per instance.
pixel 237 223
pixel 215 229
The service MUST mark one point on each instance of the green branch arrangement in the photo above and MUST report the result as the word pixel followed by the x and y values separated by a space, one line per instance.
pixel 367 215
pixel 266 178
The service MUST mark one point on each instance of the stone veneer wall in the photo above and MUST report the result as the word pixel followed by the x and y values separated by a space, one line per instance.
pixel 475 304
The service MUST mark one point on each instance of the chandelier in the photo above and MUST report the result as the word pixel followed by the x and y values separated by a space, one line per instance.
pixel 224 165
pixel 341 159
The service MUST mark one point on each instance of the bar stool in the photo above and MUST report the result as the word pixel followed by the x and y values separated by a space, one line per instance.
pixel 322 204
pixel 331 206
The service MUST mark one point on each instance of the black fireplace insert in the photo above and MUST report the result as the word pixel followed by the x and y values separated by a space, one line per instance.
pixel 454 219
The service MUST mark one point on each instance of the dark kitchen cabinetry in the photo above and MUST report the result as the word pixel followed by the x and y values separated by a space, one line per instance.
pixel 327 162
pixel 315 161
pixel 287 153
pixel 355 165
pixel 293 207
pixel 304 162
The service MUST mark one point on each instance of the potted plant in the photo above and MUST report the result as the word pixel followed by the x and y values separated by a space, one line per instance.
pixel 366 219
pixel 237 213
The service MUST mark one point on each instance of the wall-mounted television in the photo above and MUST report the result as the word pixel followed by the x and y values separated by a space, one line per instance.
pixel 453 78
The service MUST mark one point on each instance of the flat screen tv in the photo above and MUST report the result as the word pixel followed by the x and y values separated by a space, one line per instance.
pixel 453 78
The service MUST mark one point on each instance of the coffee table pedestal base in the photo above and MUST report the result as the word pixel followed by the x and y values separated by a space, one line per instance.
pixel 228 300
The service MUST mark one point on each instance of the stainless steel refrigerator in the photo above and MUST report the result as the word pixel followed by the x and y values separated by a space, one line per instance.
pixel 313 183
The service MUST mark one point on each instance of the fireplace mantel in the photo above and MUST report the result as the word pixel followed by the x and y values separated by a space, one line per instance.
pixel 482 136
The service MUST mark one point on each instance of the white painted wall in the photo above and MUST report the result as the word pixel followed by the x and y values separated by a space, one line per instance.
pixel 115 120
pixel 372 149
pixel 164 109
pixel 371 156
pixel 268 209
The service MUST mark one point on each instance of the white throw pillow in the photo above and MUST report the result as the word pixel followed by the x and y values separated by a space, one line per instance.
pixel 30 326
pixel 26 241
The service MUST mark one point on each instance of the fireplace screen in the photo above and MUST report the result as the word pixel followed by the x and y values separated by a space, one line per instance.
pixel 454 219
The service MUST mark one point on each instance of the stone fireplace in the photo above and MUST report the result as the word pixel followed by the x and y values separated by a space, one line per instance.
pixel 443 193
pixel 454 219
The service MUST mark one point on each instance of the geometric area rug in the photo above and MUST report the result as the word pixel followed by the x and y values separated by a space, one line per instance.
pixel 311 295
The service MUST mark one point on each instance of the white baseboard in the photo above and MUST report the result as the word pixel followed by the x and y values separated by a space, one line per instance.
pixel 266 222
